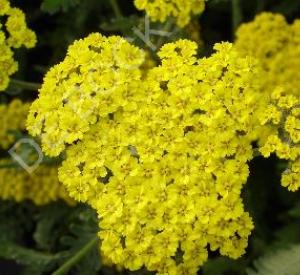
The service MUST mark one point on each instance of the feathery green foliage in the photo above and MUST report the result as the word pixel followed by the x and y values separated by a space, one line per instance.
pixel 282 262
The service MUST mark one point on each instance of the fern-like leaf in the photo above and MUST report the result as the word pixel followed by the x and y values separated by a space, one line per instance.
pixel 282 262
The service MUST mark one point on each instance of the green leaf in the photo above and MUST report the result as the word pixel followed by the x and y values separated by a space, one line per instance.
pixel 54 6
pixel 14 222
pixel 80 256
pixel 48 225
pixel 79 242
pixel 83 223
pixel 90 265
pixel 25 256
pixel 281 262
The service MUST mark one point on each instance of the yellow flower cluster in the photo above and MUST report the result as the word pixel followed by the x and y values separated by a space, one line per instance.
pixel 41 187
pixel 160 10
pixel 95 79
pixel 283 115
pixel 276 44
pixel 164 161
pixel 278 51
pixel 12 117
pixel 13 34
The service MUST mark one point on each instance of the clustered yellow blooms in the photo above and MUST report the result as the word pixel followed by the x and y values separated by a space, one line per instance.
pixel 283 115
pixel 41 187
pixel 13 34
pixel 181 10
pixel 276 44
pixel 164 160
pixel 278 51
pixel 97 77
pixel 12 117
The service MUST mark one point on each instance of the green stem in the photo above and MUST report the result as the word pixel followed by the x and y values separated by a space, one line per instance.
pixel 237 15
pixel 25 85
pixel 77 257
pixel 116 8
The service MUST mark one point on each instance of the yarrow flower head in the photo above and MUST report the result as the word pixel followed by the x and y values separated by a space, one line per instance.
pixel 283 116
pixel 181 10
pixel 12 118
pixel 13 34
pixel 97 77
pixel 163 162
pixel 278 49
pixel 41 187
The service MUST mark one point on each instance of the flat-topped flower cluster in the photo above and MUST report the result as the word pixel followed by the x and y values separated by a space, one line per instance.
pixel 278 49
pixel 14 34
pixel 160 156
pixel 181 10
pixel 41 186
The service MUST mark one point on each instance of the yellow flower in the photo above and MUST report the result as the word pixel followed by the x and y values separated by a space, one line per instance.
pixel 89 83
pixel 284 135
pixel 14 35
pixel 160 10
pixel 12 118
pixel 278 50
pixel 41 187
pixel 162 154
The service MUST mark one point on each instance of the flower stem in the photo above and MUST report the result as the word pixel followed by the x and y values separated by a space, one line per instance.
pixel 77 257
pixel 116 8
pixel 25 85
pixel 237 15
